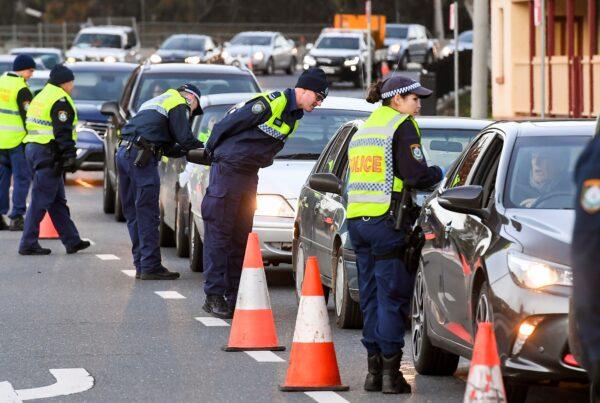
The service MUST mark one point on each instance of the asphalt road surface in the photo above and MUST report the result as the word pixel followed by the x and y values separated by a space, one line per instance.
pixel 83 312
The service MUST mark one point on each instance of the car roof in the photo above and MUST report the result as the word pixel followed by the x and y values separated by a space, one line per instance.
pixel 102 66
pixel 356 34
pixel 198 36
pixel 106 28
pixel 192 68
pixel 548 127
pixel 36 50
pixel 41 74
pixel 263 33
pixel 339 103
pixel 225 99
pixel 400 25
pixel 7 58
pixel 450 122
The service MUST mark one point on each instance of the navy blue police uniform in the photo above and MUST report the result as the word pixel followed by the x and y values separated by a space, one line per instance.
pixel 163 125
pixel 585 257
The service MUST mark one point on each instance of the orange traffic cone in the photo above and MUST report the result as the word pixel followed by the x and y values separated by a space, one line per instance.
pixel 253 327
pixel 385 69
pixel 485 379
pixel 313 364
pixel 47 229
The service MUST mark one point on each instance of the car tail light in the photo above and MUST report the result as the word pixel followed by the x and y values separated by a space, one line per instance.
pixel 569 359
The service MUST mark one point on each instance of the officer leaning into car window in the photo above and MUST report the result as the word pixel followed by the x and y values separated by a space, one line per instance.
pixel 240 144
pixel 585 254
pixel 161 127
pixel 14 101
pixel 385 157
pixel 50 151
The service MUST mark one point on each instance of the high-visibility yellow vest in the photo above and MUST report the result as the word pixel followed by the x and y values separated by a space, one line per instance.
pixel 39 121
pixel 12 130
pixel 275 126
pixel 164 102
pixel 371 164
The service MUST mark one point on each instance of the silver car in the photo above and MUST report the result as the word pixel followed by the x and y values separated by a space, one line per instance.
pixel 263 51
pixel 279 184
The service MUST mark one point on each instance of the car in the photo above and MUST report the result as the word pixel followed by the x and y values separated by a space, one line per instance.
pixel 6 63
pixel 341 54
pixel 263 51
pixel 49 56
pixel 410 43
pixel 501 254
pixel 184 48
pixel 465 42
pixel 320 227
pixel 150 80
pixel 278 185
pixel 38 80
pixel 105 43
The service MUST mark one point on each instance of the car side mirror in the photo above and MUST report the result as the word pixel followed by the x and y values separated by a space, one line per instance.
pixel 325 182
pixel 110 108
pixel 463 199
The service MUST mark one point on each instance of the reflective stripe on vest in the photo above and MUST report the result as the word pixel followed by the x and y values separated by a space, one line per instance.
pixel 371 163
pixel 271 128
pixel 11 124
pixel 39 120
pixel 164 102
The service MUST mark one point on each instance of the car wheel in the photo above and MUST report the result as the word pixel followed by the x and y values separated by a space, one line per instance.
pixel 182 243
pixel 119 216
pixel 292 67
pixel 347 312
pixel 166 236
pixel 196 256
pixel 299 265
pixel 108 193
pixel 270 69
pixel 515 392
pixel 483 309
pixel 427 358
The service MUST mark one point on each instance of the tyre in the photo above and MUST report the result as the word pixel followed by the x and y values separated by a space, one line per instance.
pixel 108 193
pixel 166 236
pixel 182 243
pixel 195 247
pixel 298 267
pixel 270 69
pixel 118 206
pixel 515 392
pixel 347 312
pixel 292 67
pixel 483 307
pixel 427 358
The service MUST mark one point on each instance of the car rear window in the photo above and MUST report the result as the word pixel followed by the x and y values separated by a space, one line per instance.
pixel 99 85
pixel 443 146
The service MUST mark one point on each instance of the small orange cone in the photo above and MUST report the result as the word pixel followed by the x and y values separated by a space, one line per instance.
pixel 485 379
pixel 253 327
pixel 385 69
pixel 47 229
pixel 313 364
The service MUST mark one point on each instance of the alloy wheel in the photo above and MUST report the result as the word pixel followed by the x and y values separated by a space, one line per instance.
pixel 300 266
pixel 483 312
pixel 339 285
pixel 418 316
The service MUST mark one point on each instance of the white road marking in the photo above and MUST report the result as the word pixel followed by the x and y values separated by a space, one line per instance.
pixel 130 273
pixel 108 257
pixel 68 382
pixel 264 356
pixel 8 394
pixel 326 397
pixel 210 321
pixel 169 294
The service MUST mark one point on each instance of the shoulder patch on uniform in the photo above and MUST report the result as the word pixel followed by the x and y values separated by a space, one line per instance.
pixel 274 95
pixel 590 196
pixel 63 116
pixel 258 108
pixel 416 151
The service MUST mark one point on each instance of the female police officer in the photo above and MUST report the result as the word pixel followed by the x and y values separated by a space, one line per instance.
pixel 385 157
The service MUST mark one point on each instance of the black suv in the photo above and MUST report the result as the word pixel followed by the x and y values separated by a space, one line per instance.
pixel 148 81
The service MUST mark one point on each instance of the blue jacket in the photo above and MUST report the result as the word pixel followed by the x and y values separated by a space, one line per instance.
pixel 237 142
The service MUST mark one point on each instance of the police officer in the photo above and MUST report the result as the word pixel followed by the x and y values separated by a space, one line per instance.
pixel 385 156
pixel 585 257
pixel 161 127
pixel 14 101
pixel 242 142
pixel 50 151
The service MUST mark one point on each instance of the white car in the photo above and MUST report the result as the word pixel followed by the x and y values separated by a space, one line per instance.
pixel 108 43
pixel 278 185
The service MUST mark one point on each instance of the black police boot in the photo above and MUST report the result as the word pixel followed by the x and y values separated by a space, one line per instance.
pixel 161 274
pixel 34 251
pixel 81 245
pixel 3 225
pixel 217 306
pixel 392 380
pixel 16 224
pixel 373 380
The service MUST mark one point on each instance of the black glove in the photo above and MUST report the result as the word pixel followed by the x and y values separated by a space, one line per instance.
pixel 199 156
pixel 69 165
pixel 174 151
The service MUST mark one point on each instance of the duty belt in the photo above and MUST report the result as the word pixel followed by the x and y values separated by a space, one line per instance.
pixel 156 150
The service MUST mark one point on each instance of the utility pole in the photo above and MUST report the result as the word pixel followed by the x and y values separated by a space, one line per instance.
pixel 481 45
pixel 438 19
pixel 369 43
pixel 454 19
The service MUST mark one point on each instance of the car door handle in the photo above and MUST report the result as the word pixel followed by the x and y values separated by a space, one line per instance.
pixel 427 211
pixel 447 229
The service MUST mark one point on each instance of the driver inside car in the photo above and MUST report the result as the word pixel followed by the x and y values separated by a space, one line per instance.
pixel 547 175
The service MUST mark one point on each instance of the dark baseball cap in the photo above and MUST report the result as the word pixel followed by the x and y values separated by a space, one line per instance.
pixel 400 85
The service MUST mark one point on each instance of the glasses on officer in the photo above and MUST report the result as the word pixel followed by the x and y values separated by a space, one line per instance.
pixel 320 97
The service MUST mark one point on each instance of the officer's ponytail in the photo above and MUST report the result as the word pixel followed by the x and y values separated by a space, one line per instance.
pixel 374 94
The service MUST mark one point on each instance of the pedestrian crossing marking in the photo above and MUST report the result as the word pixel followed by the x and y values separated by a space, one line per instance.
pixel 264 356
pixel 211 322
pixel 169 294
pixel 326 397
pixel 130 273
pixel 108 257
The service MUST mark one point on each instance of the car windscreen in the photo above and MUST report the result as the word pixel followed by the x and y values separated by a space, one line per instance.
pixel 184 43
pixel 396 32
pixel 99 85
pixel 337 42
pixel 36 84
pixel 49 59
pixel 152 85
pixel 443 146
pixel 98 41
pixel 541 171
pixel 5 66
pixel 254 40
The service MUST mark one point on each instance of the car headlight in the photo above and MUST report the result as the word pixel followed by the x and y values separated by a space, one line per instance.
pixel 259 56
pixel 273 205
pixel 309 60
pixel 110 59
pixel 536 273
pixel 224 54
pixel 71 59
pixel 192 59
pixel 394 49
pixel 155 58
pixel 353 61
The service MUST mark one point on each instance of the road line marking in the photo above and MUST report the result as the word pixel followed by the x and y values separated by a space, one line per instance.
pixel 68 381
pixel 326 397
pixel 8 394
pixel 210 321
pixel 130 273
pixel 108 257
pixel 169 294
pixel 83 183
pixel 264 356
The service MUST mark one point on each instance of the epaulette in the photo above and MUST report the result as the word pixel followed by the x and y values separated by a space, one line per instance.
pixel 274 95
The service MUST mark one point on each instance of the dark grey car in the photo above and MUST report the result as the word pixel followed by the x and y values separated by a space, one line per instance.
pixel 320 224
